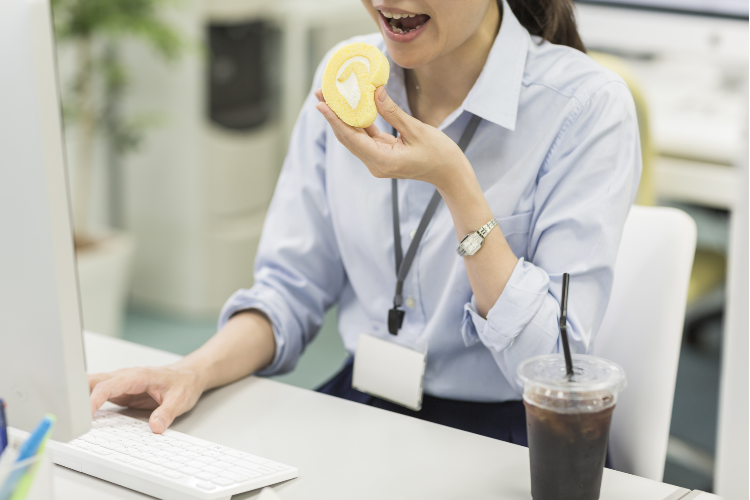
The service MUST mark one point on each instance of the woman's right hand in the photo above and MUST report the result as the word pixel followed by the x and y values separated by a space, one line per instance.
pixel 170 391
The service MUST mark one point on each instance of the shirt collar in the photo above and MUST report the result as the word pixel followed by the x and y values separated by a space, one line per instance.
pixel 494 97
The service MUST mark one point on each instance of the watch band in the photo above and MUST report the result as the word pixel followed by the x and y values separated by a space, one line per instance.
pixel 487 228
pixel 472 242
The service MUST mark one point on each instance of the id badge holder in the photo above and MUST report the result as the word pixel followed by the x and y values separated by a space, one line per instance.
pixel 389 371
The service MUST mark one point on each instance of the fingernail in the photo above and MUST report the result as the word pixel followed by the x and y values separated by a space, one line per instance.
pixel 383 96
pixel 160 425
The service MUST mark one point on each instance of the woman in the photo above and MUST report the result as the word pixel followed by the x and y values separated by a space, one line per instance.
pixel 554 158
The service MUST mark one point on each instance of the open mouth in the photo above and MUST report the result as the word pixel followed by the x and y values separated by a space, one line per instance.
pixel 404 23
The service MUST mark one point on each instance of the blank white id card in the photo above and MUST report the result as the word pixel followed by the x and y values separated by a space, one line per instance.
pixel 389 371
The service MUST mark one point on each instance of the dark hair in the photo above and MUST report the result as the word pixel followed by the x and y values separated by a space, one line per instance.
pixel 553 20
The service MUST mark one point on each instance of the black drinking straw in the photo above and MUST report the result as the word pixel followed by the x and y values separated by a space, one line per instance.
pixel 564 326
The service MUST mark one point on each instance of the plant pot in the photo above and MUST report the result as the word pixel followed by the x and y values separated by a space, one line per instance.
pixel 104 273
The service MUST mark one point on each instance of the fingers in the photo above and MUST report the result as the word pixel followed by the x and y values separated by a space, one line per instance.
pixel 394 115
pixel 319 95
pixel 372 130
pixel 96 378
pixel 356 140
pixel 133 382
pixel 162 417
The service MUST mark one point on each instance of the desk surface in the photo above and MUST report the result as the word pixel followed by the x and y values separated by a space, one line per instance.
pixel 342 449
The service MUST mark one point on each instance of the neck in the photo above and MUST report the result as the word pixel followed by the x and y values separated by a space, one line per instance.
pixel 443 88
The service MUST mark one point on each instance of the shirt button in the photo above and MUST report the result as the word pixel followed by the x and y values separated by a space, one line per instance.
pixel 410 302
pixel 412 233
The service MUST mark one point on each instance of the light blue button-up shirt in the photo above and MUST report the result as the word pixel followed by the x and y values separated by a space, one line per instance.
pixel 558 158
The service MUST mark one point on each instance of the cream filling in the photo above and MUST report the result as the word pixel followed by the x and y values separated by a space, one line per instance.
pixel 349 88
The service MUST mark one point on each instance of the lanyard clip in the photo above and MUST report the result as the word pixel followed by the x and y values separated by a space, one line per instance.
pixel 395 320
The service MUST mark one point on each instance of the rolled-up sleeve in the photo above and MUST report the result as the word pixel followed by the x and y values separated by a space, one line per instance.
pixel 584 190
pixel 298 268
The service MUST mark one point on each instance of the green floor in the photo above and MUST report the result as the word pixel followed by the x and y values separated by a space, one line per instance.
pixel 322 358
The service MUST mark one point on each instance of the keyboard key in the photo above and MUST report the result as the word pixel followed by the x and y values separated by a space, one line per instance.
pixel 180 459
pixel 181 444
pixel 173 465
pixel 171 474
pixel 212 469
pixel 244 472
pixel 141 464
pixel 189 454
pixel 222 481
pixel 206 476
pixel 254 467
pixel 155 460
pixel 113 446
pixel 195 463
pixel 237 453
pixel 218 447
pixel 196 449
pixel 212 453
pixel 190 471
pixel 124 458
pixel 205 486
pixel 234 476
pixel 221 465
pixel 101 451
pixel 256 460
pixel 158 469
pixel 275 466
pixel 163 454
pixel 205 460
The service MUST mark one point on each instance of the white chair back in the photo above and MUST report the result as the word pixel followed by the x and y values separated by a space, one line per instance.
pixel 642 332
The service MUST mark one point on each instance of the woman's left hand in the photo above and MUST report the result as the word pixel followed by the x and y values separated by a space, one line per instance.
pixel 420 152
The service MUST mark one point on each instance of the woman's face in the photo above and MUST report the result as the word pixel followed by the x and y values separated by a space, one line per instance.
pixel 417 32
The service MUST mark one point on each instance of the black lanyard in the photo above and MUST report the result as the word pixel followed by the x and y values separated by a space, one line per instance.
pixel 403 263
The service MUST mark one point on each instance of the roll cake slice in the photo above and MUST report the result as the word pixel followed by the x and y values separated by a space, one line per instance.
pixel 349 81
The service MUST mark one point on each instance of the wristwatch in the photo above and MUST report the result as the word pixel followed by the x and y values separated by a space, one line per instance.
pixel 472 242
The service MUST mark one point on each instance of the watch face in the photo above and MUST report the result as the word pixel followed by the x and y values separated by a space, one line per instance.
pixel 471 243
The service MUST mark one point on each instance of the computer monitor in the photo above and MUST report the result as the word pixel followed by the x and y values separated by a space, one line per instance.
pixel 41 347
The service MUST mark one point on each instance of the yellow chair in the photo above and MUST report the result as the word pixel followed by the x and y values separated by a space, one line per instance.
pixel 646 192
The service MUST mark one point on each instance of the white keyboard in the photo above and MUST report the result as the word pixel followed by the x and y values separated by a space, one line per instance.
pixel 170 466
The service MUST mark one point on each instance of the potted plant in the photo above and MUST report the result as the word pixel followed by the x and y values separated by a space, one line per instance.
pixel 93 31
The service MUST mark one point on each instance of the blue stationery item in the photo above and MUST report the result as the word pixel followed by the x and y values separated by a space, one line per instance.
pixel 3 427
pixel 28 449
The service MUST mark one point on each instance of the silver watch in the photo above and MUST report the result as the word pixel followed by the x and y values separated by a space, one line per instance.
pixel 472 242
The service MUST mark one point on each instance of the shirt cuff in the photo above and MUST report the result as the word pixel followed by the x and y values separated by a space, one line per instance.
pixel 244 300
pixel 521 299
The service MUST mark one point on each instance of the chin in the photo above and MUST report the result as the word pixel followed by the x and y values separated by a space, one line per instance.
pixel 409 56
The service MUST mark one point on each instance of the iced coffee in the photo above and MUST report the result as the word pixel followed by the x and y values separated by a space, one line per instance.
pixel 568 420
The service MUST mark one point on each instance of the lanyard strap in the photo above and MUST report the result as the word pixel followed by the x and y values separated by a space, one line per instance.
pixel 403 263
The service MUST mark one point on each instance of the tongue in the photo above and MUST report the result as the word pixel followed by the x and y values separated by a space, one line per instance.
pixel 410 23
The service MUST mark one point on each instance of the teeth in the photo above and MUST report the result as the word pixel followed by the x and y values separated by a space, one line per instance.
pixel 396 16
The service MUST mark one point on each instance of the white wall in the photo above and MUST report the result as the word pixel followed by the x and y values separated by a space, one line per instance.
pixel 731 474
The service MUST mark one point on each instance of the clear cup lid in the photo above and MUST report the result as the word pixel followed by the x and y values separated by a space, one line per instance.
pixel 590 375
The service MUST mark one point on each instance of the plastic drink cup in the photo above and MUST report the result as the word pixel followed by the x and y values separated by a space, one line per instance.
pixel 567 421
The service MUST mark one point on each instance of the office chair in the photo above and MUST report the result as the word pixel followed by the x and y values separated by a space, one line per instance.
pixel 642 331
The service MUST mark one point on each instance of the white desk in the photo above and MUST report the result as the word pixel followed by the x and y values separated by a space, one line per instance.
pixel 342 449
pixel 700 495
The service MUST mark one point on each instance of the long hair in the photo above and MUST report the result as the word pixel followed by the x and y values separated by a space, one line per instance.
pixel 553 20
